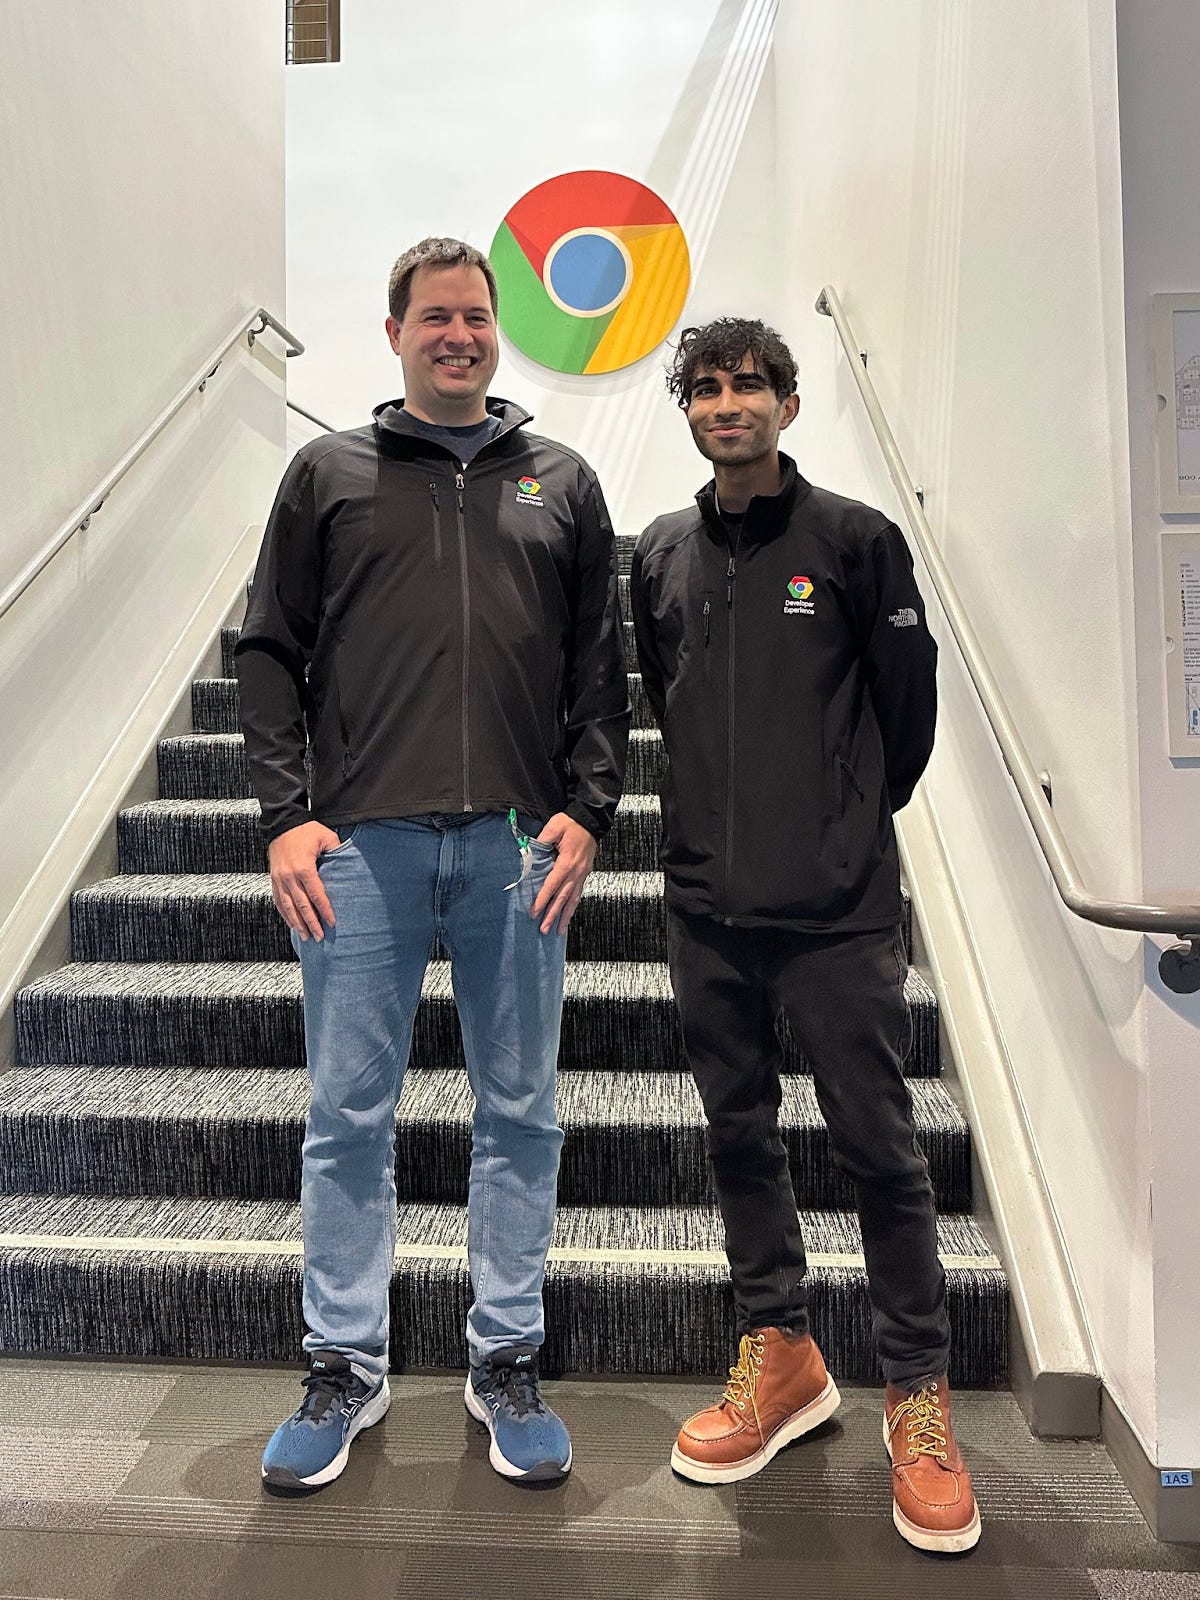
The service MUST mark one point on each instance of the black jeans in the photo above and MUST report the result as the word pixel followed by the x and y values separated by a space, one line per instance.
pixel 843 995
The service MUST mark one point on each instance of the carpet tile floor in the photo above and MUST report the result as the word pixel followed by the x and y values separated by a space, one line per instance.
pixel 130 1482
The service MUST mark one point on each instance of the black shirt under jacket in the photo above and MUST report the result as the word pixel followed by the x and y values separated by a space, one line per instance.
pixel 440 638
pixel 793 675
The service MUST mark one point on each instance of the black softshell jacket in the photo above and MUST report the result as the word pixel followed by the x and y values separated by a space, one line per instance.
pixel 794 681
pixel 440 639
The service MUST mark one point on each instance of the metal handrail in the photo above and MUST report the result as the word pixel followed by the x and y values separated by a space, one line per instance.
pixel 1180 964
pixel 308 417
pixel 83 513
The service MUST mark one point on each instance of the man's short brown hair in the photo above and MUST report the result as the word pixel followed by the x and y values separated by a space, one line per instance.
pixel 719 346
pixel 434 253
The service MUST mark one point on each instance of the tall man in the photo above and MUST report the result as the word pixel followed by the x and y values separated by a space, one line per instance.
pixel 434 617
pixel 784 650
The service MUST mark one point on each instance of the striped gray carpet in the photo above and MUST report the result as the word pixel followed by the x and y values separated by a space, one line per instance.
pixel 246 1013
pixel 627 1290
pixel 631 1138
pixel 160 1096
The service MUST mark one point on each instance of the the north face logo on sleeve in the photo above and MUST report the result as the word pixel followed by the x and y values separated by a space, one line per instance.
pixel 906 617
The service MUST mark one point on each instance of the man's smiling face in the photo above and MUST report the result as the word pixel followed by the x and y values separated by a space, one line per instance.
pixel 447 345
pixel 736 417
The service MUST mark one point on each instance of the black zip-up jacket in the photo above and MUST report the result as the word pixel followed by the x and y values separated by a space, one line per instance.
pixel 440 638
pixel 793 678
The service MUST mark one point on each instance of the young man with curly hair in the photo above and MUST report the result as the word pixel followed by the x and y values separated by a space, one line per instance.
pixel 783 647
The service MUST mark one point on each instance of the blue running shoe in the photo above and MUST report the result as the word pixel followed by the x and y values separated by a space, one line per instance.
pixel 528 1441
pixel 312 1446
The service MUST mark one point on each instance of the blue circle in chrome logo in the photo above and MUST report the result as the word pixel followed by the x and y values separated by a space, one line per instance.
pixel 588 272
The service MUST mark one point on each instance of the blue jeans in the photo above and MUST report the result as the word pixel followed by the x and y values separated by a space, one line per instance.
pixel 394 885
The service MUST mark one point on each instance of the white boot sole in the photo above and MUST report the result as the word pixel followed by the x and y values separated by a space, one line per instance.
pixel 953 1542
pixel 797 1425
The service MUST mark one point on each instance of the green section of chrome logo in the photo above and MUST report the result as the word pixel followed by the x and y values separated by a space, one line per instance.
pixel 538 327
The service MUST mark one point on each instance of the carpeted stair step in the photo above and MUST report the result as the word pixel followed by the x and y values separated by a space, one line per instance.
pixel 212 766
pixel 627 1290
pixel 215 704
pixel 224 836
pixel 249 1014
pixel 231 917
pixel 631 1138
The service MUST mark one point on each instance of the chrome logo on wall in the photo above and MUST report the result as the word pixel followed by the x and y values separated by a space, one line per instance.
pixel 592 270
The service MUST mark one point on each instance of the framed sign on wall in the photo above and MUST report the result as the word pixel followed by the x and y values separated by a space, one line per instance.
pixel 1181 614
pixel 1177 374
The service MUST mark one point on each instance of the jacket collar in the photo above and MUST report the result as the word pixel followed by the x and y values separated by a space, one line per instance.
pixel 766 515
pixel 394 425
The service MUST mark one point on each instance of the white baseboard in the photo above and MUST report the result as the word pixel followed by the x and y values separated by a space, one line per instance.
pixel 1054 1369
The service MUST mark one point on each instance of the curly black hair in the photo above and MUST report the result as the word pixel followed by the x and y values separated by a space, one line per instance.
pixel 720 345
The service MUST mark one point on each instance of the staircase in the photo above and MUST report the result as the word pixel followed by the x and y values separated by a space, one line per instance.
pixel 150 1133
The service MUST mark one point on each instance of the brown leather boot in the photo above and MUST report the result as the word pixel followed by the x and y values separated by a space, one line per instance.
pixel 933 1504
pixel 778 1390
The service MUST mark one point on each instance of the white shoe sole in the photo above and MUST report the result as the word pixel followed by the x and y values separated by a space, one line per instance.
pixel 542 1472
pixel 954 1542
pixel 374 1411
pixel 798 1424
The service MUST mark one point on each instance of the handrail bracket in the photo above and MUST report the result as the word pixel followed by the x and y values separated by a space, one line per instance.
pixel 1179 965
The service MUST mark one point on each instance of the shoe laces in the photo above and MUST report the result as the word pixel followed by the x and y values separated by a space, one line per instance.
pixel 743 1375
pixel 517 1388
pixel 924 1423
pixel 324 1390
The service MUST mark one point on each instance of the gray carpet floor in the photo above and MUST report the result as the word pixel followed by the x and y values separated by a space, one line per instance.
pixel 131 1482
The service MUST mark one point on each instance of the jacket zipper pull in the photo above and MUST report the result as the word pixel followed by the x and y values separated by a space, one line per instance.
pixel 729 577
pixel 434 493
pixel 460 485
pixel 707 610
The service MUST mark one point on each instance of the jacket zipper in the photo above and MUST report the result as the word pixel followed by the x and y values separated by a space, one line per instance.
pixel 707 611
pixel 730 576
pixel 460 486
pixel 437 525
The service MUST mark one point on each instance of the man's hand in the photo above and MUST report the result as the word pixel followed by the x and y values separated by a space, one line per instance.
pixel 296 887
pixel 560 894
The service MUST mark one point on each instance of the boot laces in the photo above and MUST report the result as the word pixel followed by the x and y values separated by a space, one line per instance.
pixel 924 1423
pixel 743 1375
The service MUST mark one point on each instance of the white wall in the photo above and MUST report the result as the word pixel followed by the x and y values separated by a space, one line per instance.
pixel 141 148
pixel 962 190
pixel 669 95
pixel 1158 45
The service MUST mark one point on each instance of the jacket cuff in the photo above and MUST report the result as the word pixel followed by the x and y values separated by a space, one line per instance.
pixel 596 826
pixel 285 824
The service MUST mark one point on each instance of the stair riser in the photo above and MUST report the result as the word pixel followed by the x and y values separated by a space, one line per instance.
pixel 663 1319
pixel 215 705
pixel 216 769
pixel 248 928
pixel 602 929
pixel 258 1159
pixel 232 842
pixel 267 1032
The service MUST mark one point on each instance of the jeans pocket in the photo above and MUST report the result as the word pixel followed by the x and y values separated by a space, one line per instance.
pixel 347 834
